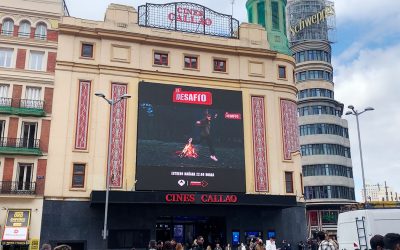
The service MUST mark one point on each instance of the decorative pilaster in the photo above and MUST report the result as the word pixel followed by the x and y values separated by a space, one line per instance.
pixel 259 144
pixel 118 136
pixel 290 128
pixel 82 121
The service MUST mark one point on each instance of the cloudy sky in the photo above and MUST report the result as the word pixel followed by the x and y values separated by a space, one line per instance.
pixel 366 59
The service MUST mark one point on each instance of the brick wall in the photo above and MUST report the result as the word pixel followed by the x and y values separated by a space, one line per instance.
pixel 21 57
pixel 8 169
pixel 41 176
pixel 13 127
pixel 48 100
pixel 51 62
pixel 32 32
pixel 44 136
pixel 16 95
pixel 16 28
pixel 52 35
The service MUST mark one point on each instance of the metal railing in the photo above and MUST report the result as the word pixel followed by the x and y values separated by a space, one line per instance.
pixel 17 187
pixel 41 36
pixel 29 143
pixel 21 103
pixel 24 34
pixel 7 32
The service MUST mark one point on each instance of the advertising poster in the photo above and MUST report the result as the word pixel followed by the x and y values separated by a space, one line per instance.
pixel 189 139
pixel 17 223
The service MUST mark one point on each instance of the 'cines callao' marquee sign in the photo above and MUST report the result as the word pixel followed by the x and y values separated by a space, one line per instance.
pixel 313 19
pixel 188 17
pixel 203 198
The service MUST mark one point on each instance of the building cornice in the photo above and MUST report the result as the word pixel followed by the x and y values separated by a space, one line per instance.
pixel 28 42
pixel 101 33
pixel 172 77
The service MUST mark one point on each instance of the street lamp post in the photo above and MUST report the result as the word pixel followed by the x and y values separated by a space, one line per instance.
pixel 111 102
pixel 356 113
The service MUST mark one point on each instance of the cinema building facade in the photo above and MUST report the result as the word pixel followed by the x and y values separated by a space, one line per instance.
pixel 207 145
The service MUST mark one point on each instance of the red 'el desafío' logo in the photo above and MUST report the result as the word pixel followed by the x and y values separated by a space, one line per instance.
pixel 192 97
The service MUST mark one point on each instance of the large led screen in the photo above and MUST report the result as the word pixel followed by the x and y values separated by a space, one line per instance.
pixel 189 139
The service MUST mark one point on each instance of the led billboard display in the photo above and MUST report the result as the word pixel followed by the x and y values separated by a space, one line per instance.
pixel 189 139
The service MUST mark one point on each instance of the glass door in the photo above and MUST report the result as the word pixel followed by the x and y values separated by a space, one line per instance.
pixel 24 177
pixel 29 134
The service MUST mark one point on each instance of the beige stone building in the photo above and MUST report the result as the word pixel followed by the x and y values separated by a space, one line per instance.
pixel 28 49
pixel 208 143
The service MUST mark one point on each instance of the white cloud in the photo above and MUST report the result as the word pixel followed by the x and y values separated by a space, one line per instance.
pixel 365 11
pixel 371 80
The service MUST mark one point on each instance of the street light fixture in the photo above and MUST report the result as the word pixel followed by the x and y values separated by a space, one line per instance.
pixel 112 103
pixel 356 113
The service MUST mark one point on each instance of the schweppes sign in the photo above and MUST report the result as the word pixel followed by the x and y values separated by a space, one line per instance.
pixel 311 20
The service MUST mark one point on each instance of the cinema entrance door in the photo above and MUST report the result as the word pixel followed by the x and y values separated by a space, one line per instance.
pixel 186 228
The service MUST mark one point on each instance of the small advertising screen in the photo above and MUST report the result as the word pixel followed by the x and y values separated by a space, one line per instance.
pixel 235 238
pixel 189 139
pixel 16 227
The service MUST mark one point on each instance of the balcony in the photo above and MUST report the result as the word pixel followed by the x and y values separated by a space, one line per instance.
pixel 17 188
pixel 20 146
pixel 22 107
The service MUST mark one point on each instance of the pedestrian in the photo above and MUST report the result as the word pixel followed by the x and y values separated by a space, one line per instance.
pixel 260 245
pixel 332 239
pixel 199 243
pixel 392 241
pixel 301 246
pixel 228 247
pixel 217 247
pixel 46 247
pixel 179 246
pixel 286 245
pixel 168 246
pixel 324 243
pixel 152 245
pixel 160 245
pixel 376 242
pixel 63 247
pixel 270 244
pixel 242 247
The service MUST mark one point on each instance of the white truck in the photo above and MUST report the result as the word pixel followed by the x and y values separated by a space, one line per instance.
pixel 356 228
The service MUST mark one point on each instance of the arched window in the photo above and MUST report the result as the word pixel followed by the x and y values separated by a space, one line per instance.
pixel 41 31
pixel 8 27
pixel 24 29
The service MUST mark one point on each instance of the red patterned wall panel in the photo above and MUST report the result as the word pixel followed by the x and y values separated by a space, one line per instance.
pixel 290 128
pixel 118 136
pixel 259 144
pixel 82 121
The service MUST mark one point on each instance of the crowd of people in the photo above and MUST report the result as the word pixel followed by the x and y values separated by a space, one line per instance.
pixel 323 241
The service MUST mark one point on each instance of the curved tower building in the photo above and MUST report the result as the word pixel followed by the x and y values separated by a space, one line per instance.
pixel 271 14
pixel 324 139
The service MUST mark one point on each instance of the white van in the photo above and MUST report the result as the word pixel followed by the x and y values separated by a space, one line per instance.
pixel 356 228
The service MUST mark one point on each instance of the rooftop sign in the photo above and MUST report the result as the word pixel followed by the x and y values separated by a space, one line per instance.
pixel 188 17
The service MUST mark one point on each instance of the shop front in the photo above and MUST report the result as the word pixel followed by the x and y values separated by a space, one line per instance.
pixel 137 217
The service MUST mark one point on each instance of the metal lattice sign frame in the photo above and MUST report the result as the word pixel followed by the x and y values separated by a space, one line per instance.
pixel 188 17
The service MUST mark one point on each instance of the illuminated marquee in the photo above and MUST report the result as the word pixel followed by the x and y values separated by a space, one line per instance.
pixel 313 19
pixel 188 17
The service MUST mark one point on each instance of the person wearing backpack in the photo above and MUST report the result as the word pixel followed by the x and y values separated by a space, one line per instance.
pixel 324 243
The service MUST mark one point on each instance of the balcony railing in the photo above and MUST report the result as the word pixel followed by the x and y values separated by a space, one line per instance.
pixel 17 187
pixel 28 143
pixel 40 36
pixel 22 107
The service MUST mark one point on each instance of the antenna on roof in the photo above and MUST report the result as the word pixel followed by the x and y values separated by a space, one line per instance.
pixel 232 2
